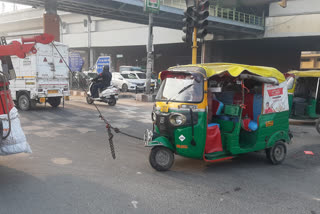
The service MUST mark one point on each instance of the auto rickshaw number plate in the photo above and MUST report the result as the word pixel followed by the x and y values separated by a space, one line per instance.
pixel 164 109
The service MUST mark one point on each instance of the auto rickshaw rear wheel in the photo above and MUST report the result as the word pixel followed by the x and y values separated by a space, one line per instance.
pixel 318 125
pixel 161 158
pixel 277 153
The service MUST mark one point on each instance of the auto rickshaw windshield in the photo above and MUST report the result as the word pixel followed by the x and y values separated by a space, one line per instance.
pixel 181 88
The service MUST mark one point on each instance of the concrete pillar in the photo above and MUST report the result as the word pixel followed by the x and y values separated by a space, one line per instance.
pixel 92 57
pixel 51 22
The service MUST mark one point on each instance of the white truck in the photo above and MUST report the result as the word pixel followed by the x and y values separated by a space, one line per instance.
pixel 41 77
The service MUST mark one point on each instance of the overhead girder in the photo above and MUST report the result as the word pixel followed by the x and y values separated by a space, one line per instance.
pixel 132 11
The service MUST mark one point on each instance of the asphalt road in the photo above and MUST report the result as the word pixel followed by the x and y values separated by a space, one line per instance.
pixel 71 170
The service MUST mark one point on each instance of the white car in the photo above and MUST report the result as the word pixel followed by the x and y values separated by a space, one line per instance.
pixel 127 82
pixel 141 76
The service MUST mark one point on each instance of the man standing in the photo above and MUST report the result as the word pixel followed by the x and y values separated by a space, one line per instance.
pixel 102 81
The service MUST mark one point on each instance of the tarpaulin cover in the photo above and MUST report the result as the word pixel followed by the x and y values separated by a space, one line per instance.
pixel 310 73
pixel 235 70
pixel 16 142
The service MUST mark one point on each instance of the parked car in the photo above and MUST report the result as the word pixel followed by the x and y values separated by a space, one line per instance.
pixel 127 82
pixel 129 68
pixel 141 76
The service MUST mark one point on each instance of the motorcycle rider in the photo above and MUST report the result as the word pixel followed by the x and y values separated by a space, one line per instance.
pixel 103 80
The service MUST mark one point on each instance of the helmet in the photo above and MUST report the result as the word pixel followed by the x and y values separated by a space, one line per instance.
pixel 106 68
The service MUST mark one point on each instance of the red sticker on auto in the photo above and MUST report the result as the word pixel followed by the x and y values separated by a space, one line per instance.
pixel 275 92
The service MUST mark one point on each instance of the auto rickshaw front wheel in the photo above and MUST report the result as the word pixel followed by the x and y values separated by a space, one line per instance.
pixel 318 125
pixel 277 153
pixel 161 158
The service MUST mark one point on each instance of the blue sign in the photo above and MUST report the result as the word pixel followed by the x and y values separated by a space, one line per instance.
pixel 75 61
pixel 102 61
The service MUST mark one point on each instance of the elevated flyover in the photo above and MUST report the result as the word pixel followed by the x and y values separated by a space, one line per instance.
pixel 226 22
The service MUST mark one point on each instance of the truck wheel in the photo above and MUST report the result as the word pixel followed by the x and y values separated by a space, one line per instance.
pixel 54 101
pixel 277 153
pixel 161 158
pixel 112 101
pixel 318 125
pixel 24 102
pixel 124 88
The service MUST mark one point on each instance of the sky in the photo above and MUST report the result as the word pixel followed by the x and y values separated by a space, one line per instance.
pixel 9 7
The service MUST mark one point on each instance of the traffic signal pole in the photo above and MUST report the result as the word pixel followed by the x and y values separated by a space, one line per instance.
pixel 194 46
pixel 195 24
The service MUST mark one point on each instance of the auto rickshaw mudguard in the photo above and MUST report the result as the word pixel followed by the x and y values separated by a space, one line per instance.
pixel 161 141
pixel 278 136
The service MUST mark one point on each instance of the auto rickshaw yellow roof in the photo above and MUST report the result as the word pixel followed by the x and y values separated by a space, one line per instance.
pixel 309 73
pixel 235 70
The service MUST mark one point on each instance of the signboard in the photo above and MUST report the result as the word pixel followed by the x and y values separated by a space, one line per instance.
pixel 275 98
pixel 152 6
pixel 75 61
pixel 102 61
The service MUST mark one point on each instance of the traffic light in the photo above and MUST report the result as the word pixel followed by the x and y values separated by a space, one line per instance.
pixel 283 3
pixel 189 21
pixel 202 15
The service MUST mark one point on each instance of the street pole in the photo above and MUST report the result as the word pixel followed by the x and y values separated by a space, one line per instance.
pixel 203 52
pixel 194 46
pixel 149 56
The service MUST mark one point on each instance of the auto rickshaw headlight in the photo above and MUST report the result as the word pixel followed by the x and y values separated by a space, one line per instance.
pixel 177 119
pixel 153 117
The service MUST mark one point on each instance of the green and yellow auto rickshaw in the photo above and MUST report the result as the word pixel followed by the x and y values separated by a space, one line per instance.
pixel 217 111
pixel 303 90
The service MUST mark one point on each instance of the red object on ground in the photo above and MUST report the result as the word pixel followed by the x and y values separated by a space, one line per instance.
pixel 308 153
pixel 213 142
pixel 3 108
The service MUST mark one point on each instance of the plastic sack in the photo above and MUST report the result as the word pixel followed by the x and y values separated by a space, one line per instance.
pixel 16 142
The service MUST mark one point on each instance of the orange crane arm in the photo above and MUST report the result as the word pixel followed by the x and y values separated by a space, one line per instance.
pixel 27 46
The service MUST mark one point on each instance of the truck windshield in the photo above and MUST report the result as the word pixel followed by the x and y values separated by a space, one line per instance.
pixel 181 88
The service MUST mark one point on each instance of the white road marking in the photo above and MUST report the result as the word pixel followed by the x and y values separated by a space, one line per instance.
pixel 61 161
pixel 134 203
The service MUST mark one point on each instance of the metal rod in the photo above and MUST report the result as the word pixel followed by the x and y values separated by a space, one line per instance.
pixel 194 46
pixel 203 52
pixel 317 88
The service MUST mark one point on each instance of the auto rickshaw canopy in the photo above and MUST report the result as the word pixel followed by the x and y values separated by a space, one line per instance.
pixel 212 69
pixel 309 73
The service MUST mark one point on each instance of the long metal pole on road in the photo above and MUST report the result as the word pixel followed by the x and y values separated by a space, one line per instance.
pixel 149 55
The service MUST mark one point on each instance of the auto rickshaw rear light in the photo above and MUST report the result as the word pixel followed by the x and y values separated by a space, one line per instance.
pixel 177 119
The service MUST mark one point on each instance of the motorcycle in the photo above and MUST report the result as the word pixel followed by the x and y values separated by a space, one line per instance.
pixel 108 95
